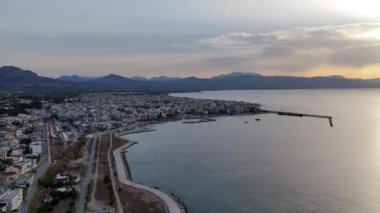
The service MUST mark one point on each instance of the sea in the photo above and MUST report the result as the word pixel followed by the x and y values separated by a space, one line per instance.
pixel 277 164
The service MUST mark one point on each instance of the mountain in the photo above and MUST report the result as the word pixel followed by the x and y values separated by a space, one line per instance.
pixel 139 78
pixel 164 79
pixel 375 80
pixel 110 78
pixel 74 78
pixel 236 74
pixel 15 73
pixel 14 78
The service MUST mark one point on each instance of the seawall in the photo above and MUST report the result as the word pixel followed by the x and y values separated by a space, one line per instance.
pixel 124 177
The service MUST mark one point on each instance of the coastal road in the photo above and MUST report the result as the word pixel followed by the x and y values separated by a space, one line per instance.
pixel 41 169
pixel 86 179
pixel 171 205
pixel 117 198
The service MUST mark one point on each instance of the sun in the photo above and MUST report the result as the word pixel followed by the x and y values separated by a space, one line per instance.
pixel 367 8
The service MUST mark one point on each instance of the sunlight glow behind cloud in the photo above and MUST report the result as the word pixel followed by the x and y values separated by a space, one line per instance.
pixel 299 49
pixel 368 8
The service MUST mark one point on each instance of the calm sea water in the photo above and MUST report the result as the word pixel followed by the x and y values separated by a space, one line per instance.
pixel 280 164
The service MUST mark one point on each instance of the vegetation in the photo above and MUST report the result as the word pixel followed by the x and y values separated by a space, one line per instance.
pixel 45 208
pixel 111 193
pixel 52 96
pixel 20 108
pixel 90 187
pixel 75 151
pixel 57 196
pixel 26 141
pixel 29 131
pixel 27 150
pixel 2 167
pixel 47 182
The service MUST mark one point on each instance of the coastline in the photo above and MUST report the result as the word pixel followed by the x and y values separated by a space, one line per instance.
pixel 142 125
pixel 172 203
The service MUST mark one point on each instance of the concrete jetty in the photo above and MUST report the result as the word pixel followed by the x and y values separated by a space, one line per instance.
pixel 304 115
pixel 134 131
pixel 171 205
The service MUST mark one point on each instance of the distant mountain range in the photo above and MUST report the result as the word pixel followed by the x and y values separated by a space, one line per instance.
pixel 77 78
pixel 14 78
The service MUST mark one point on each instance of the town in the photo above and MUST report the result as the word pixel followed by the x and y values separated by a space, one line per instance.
pixel 46 149
pixel 103 111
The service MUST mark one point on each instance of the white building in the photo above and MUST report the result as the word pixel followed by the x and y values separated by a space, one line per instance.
pixel 3 153
pixel 16 155
pixel 11 200
pixel 36 148
pixel 18 133
pixel 10 143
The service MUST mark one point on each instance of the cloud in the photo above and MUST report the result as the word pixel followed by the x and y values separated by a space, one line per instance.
pixel 351 45
pixel 348 50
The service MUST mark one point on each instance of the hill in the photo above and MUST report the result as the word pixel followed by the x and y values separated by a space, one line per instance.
pixel 14 78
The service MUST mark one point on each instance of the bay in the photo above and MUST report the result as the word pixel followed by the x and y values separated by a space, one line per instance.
pixel 280 164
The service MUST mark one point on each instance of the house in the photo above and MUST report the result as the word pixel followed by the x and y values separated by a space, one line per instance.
pixel 3 153
pixel 62 179
pixel 11 200
pixel 14 168
pixel 153 115
pixel 36 148
pixel 8 136
pixel 9 175
pixel 19 133
pixel 10 143
pixel 16 155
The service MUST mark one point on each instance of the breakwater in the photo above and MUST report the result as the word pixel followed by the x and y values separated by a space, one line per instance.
pixel 330 118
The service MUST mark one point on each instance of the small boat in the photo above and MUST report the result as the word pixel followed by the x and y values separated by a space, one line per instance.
pixel 257 119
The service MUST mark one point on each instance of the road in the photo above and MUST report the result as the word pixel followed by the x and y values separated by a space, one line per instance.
pixel 41 169
pixel 86 179
pixel 171 205
pixel 117 198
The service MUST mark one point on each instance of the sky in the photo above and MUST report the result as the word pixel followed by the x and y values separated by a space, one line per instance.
pixel 200 38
